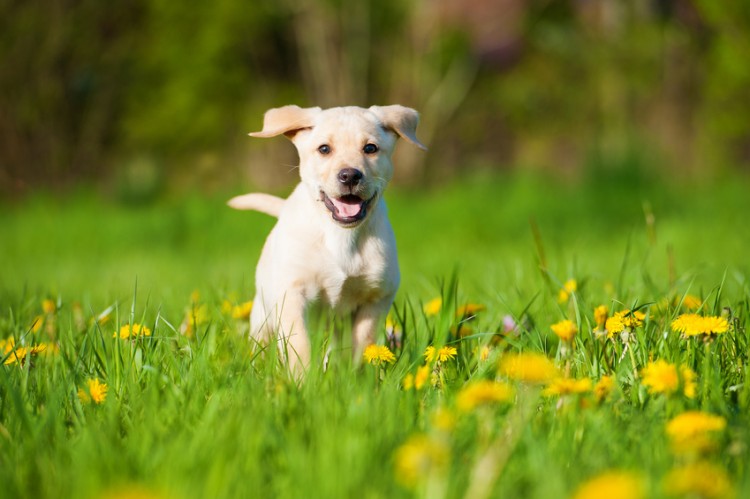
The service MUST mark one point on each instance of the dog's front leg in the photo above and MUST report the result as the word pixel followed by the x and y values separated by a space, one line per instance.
pixel 294 342
pixel 366 321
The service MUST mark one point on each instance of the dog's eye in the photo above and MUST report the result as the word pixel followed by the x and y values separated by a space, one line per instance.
pixel 370 149
pixel 324 149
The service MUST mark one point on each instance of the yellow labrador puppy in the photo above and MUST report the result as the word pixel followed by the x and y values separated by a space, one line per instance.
pixel 333 242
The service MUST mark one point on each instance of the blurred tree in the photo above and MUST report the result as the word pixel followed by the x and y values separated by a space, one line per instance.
pixel 171 88
pixel 62 83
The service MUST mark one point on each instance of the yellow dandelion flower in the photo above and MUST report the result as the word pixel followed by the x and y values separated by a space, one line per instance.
pixel 194 317
pixel 688 381
pixel 441 355
pixel 614 325
pixel 613 485
pixel 604 387
pixel 17 356
pixel 662 377
pixel 624 319
pixel 484 353
pixel 378 354
pixel 567 386
pixel 36 324
pixel 48 307
pixel 570 287
pixel 565 330
pixel 462 330
pixel 534 368
pixel 418 458
pixel 45 348
pixel 226 307
pixel 132 331
pixel 21 354
pixel 694 324
pixel 6 345
pixel 422 376
pixel 469 309
pixel 408 382
pixel 195 296
pixel 694 431
pixel 443 419
pixel 432 307
pixel 699 479
pixel 483 392
pixel 690 302
pixel 95 392
pixel 242 310
pixel 600 315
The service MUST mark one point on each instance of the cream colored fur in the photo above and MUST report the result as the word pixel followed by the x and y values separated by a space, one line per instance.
pixel 347 261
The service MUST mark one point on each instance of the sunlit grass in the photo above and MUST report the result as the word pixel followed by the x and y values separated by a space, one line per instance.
pixel 528 359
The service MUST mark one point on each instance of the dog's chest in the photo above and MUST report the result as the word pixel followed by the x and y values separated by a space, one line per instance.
pixel 355 278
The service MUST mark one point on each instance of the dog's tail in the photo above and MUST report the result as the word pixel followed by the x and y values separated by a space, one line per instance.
pixel 264 203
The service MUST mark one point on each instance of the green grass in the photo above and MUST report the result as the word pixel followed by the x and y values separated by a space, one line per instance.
pixel 207 415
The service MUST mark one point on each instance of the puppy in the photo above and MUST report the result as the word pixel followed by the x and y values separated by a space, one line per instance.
pixel 333 242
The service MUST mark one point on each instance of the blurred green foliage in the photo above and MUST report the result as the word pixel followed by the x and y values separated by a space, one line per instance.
pixel 88 88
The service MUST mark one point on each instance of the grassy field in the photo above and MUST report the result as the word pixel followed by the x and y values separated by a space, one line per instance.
pixel 506 406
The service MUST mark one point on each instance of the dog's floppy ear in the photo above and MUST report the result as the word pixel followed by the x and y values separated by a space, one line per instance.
pixel 400 119
pixel 287 120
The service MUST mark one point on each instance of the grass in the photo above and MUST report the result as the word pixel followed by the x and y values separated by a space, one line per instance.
pixel 193 410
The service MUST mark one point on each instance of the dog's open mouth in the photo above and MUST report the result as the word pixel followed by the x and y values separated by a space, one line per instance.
pixel 349 209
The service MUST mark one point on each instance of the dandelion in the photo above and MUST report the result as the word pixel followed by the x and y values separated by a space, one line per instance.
pixel 462 330
pixel 419 458
pixel 21 354
pixel 694 325
pixel 432 307
pixel 422 376
pixel 567 386
pixel 484 353
pixel 441 355
pixel 483 392
pixel 604 387
pixel 36 324
pixel 49 307
pixel 662 377
pixel 622 320
pixel 698 479
pixel 6 345
pixel 568 289
pixel 443 419
pixel 694 431
pixel 533 368
pixel 690 302
pixel 469 310
pixel 378 354
pixel 600 316
pixel 565 330
pixel 195 316
pixel 242 310
pixel 95 392
pixel 613 485
pixel 418 380
pixel 132 331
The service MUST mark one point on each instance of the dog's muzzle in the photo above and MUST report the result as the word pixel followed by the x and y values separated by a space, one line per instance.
pixel 348 210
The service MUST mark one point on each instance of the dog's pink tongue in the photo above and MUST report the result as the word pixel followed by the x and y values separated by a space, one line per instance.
pixel 347 207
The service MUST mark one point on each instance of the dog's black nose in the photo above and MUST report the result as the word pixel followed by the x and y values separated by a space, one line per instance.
pixel 350 176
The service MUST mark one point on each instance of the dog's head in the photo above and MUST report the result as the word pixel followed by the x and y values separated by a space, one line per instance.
pixel 345 152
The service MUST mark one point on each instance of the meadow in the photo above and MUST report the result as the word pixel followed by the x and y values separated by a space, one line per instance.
pixel 551 338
